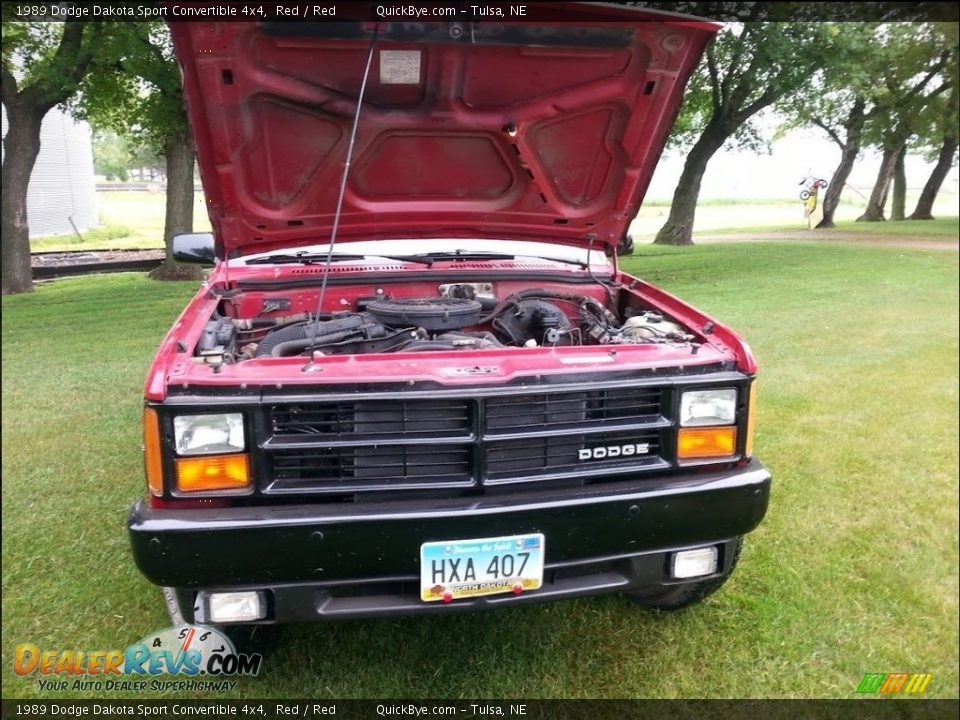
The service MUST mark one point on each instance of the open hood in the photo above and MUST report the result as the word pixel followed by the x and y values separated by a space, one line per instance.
pixel 500 130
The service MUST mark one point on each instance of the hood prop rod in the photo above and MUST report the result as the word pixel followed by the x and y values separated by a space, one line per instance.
pixel 311 366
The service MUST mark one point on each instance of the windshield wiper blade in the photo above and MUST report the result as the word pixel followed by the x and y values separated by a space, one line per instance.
pixel 428 259
pixel 489 255
pixel 302 258
pixel 305 258
pixel 468 255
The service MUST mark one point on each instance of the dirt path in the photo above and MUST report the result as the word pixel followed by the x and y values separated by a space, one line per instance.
pixel 917 242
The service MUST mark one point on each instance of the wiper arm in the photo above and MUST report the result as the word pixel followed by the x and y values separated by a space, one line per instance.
pixel 425 260
pixel 303 258
pixel 428 259
pixel 485 255
pixel 466 255
pixel 306 258
pixel 567 261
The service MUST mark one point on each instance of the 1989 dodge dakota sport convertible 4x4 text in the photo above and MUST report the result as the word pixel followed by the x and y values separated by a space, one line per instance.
pixel 416 379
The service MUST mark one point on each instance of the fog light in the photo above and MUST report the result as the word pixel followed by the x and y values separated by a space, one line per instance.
pixel 235 607
pixel 694 563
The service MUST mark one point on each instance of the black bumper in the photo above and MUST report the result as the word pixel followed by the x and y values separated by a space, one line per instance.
pixel 318 561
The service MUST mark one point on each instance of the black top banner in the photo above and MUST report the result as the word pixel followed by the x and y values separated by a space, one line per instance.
pixel 472 12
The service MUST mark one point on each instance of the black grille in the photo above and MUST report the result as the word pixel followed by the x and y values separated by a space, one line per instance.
pixel 388 418
pixel 528 413
pixel 364 468
pixel 565 454
pixel 360 445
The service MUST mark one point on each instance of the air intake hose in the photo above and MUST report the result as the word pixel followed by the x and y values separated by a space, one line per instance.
pixel 298 337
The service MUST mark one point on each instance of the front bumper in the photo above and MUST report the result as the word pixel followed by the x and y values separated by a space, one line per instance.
pixel 334 560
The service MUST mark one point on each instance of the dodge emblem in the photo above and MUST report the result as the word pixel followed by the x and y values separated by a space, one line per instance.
pixel 613 451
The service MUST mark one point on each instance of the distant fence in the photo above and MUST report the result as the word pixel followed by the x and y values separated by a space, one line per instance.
pixel 139 187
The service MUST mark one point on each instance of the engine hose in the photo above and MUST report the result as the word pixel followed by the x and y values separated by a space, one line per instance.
pixel 512 300
pixel 595 305
pixel 293 347
pixel 306 330
pixel 279 337
pixel 427 345
pixel 516 297
pixel 258 323
pixel 326 340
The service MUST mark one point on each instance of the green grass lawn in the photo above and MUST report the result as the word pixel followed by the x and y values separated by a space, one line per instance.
pixel 127 220
pixel 854 570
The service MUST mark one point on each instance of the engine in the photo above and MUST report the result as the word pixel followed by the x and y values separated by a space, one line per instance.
pixel 460 319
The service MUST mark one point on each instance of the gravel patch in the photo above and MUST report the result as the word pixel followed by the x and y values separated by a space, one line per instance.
pixel 85 257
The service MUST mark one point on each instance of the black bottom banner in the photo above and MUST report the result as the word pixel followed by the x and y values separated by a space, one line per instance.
pixel 881 709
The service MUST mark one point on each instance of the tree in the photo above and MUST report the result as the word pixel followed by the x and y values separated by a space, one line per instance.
pixel 941 126
pixel 839 99
pixel 139 97
pixel 893 146
pixel 746 69
pixel 112 156
pixel 898 209
pixel 43 66
pixel 848 136
pixel 910 81
pixel 146 162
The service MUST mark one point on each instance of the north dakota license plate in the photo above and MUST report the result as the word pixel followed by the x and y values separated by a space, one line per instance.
pixel 453 569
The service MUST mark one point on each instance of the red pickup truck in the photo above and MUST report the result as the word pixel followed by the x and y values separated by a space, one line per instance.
pixel 416 379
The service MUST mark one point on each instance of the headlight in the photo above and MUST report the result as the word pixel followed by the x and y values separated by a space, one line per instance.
pixel 708 407
pixel 208 434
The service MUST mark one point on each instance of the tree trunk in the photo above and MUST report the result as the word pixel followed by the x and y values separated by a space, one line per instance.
pixel 678 230
pixel 831 198
pixel 20 149
pixel 924 209
pixel 179 211
pixel 899 209
pixel 849 150
pixel 878 196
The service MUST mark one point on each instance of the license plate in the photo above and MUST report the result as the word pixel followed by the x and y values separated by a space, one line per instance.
pixel 454 569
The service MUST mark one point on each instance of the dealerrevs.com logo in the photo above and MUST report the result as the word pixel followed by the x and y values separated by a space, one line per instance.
pixel 186 651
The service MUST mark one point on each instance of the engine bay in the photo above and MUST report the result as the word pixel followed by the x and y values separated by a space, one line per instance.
pixel 461 316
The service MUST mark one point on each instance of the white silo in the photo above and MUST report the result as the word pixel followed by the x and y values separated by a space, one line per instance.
pixel 62 187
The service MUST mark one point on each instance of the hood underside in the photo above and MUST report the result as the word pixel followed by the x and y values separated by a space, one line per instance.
pixel 501 130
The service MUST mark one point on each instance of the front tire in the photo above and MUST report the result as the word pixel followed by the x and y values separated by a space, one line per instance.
pixel 677 597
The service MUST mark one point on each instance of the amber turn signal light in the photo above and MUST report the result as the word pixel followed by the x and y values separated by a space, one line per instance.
pixel 152 462
pixel 751 418
pixel 213 472
pixel 706 442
